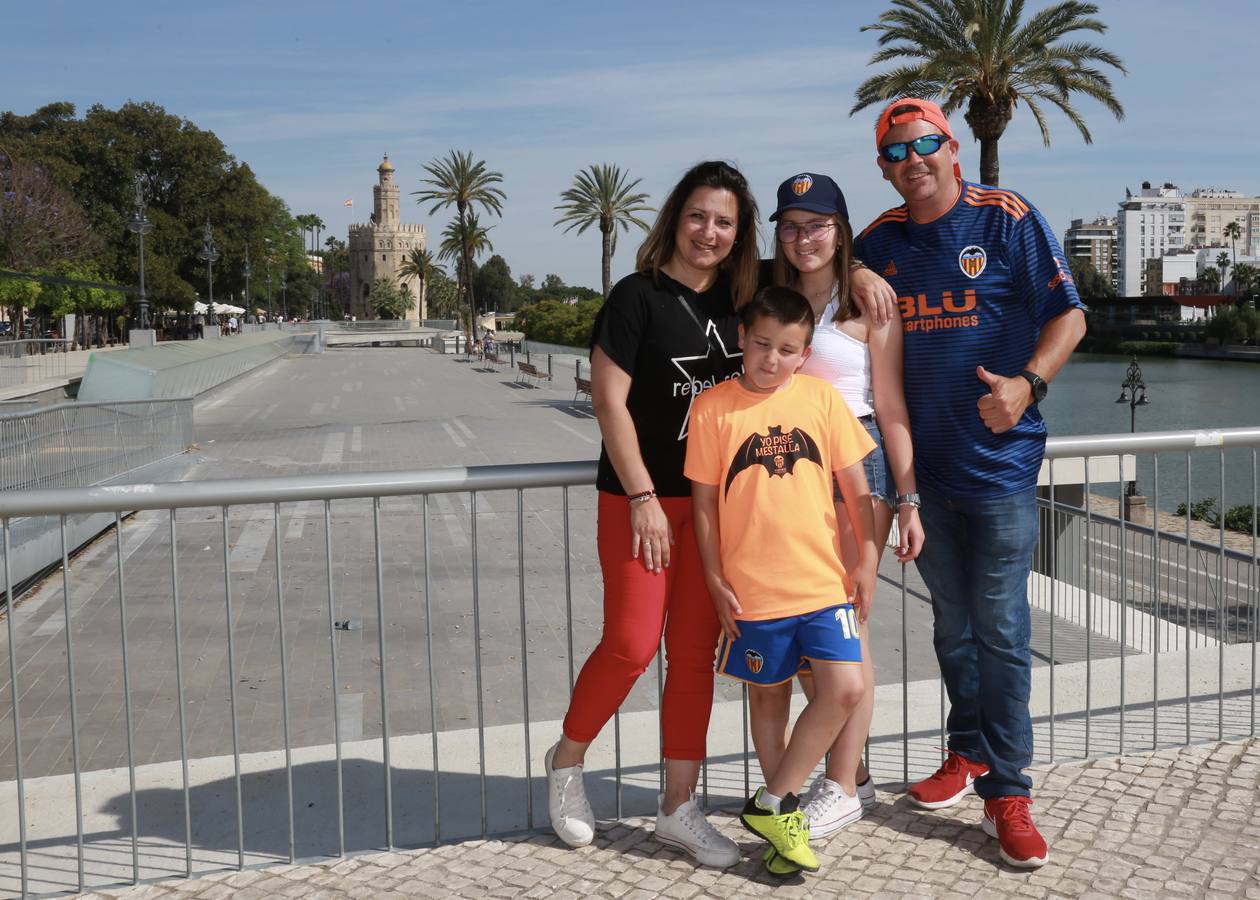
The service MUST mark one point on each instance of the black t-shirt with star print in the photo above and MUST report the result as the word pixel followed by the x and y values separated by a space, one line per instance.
pixel 671 355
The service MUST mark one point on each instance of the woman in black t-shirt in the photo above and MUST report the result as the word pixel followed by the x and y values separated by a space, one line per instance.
pixel 665 334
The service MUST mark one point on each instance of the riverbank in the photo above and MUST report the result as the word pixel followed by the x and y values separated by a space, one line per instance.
pixel 1172 524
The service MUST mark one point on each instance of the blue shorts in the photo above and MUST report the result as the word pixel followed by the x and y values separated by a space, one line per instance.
pixel 875 464
pixel 770 651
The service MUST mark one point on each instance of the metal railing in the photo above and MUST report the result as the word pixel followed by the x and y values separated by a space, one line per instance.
pixel 363 661
pixel 32 360
pixel 79 444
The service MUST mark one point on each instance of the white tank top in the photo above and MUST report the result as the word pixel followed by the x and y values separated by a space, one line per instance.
pixel 843 361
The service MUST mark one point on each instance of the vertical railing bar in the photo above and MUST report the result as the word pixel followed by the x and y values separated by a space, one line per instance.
pixel 1187 615
pixel 10 608
pixel 428 643
pixel 1255 582
pixel 1220 609
pixel 380 643
pixel 70 683
pixel 1054 578
pixel 568 583
pixel 1158 619
pixel 126 673
pixel 284 679
pixel 476 604
pixel 1124 583
pixel 905 686
pixel 236 736
pixel 520 580
pixel 1089 606
pixel 179 692
pixel 617 760
pixel 743 702
pixel 336 702
pixel 660 706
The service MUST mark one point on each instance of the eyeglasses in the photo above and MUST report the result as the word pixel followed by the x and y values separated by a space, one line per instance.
pixel 923 146
pixel 812 231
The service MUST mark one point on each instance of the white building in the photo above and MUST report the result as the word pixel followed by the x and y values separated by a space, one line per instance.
pixel 1094 242
pixel 1148 225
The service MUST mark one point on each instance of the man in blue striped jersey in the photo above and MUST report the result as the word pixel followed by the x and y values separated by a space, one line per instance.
pixel 989 314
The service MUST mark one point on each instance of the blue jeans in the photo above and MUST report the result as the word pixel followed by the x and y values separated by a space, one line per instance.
pixel 975 561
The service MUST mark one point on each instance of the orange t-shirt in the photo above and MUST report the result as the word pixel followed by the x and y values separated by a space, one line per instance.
pixel 771 457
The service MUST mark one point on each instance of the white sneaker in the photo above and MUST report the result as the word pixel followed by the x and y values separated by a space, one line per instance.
pixel 688 829
pixel 571 815
pixel 829 808
pixel 866 792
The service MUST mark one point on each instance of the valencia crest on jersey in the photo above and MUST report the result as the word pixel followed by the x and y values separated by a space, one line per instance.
pixel 972 260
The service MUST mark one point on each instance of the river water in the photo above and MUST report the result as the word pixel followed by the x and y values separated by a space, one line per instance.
pixel 1184 394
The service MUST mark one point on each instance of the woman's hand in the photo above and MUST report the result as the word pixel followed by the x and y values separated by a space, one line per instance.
pixel 873 295
pixel 651 534
pixel 909 533
pixel 864 588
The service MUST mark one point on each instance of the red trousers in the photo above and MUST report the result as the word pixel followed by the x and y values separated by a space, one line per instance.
pixel 638 604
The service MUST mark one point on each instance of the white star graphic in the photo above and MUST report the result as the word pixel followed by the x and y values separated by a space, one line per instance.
pixel 711 334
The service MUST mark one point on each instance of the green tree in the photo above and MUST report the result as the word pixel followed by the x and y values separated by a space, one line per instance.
pixel 494 285
pixel 420 265
pixel 1089 281
pixel 559 322
pixel 389 301
pixel 1246 279
pixel 979 54
pixel 443 297
pixel 1233 231
pixel 1210 280
pixel 601 196
pixel 463 240
pixel 1222 264
pixel 461 181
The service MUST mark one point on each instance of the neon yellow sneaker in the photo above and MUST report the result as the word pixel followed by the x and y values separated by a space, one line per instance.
pixel 787 831
pixel 778 867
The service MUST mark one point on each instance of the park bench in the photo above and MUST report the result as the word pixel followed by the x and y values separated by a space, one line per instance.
pixel 495 360
pixel 531 375
pixel 581 386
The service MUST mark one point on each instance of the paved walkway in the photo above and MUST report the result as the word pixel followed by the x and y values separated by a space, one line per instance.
pixel 1178 823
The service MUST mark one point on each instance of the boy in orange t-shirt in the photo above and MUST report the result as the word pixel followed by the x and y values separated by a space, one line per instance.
pixel 761 454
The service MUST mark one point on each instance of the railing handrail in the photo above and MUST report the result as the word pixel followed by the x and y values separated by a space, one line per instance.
pixel 56 407
pixel 291 488
pixel 1151 442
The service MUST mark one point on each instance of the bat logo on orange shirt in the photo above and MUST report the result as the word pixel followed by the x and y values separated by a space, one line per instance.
pixel 776 452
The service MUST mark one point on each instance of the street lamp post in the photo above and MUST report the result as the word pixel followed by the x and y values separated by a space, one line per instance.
pixel 1133 392
pixel 247 272
pixel 284 295
pixel 209 253
pixel 140 225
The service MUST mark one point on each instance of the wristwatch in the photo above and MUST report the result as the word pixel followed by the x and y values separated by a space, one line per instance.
pixel 1040 387
pixel 911 499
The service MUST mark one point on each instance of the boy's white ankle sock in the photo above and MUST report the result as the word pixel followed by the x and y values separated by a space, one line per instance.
pixel 770 801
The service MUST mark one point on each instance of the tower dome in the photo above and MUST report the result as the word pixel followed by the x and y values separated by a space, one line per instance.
pixel 386 165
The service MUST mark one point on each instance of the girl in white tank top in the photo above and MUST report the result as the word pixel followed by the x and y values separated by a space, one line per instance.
pixel 862 360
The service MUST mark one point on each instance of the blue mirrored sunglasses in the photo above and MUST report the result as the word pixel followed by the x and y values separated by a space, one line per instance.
pixel 923 146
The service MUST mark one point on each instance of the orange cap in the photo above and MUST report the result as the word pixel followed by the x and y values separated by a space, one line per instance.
pixel 923 109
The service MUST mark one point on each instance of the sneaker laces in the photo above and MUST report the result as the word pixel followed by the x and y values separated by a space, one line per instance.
pixel 823 796
pixel 698 824
pixel 1016 813
pixel 794 830
pixel 570 805
pixel 953 764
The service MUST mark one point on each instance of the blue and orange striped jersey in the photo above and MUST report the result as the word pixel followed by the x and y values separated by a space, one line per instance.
pixel 975 288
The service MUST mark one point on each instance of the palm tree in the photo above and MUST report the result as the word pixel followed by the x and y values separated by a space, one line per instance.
pixel 461 181
pixel 317 225
pixel 977 53
pixel 1210 279
pixel 1233 231
pixel 1222 263
pixel 600 196
pixel 462 242
pixel 1245 278
pixel 420 264
pixel 306 223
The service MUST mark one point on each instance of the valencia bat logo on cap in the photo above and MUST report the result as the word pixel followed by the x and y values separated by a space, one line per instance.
pixel 776 452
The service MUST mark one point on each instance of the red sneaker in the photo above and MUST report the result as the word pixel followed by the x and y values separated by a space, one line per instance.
pixel 950 783
pixel 1010 821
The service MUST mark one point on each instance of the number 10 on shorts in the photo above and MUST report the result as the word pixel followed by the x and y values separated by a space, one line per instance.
pixel 848 621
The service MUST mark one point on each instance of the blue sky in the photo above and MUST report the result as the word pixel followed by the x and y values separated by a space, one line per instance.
pixel 312 94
